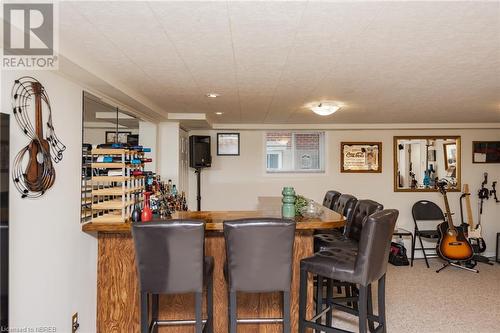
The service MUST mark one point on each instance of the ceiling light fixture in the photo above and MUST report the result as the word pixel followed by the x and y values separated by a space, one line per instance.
pixel 212 95
pixel 324 109
pixel 218 113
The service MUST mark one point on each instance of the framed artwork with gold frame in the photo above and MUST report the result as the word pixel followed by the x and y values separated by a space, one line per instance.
pixel 361 157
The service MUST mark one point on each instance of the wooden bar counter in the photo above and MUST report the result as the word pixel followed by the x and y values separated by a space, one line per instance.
pixel 117 281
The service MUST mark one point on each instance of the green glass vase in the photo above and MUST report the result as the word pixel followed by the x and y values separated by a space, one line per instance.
pixel 288 207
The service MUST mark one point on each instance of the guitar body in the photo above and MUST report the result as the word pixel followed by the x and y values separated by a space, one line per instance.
pixel 453 245
pixel 35 167
pixel 474 232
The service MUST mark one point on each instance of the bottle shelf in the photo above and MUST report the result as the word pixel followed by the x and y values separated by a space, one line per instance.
pixel 103 179
pixel 112 165
pixel 109 218
pixel 118 198
pixel 112 204
pixel 118 190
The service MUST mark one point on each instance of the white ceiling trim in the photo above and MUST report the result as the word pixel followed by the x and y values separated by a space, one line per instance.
pixel 355 126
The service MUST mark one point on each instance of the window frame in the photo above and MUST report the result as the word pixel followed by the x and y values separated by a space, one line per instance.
pixel 322 153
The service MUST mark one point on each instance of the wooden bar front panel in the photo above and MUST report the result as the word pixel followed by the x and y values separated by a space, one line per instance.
pixel 118 291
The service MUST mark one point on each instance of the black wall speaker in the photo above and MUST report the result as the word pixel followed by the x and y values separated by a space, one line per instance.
pixel 199 151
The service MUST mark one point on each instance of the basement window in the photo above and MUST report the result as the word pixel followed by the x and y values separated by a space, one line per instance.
pixel 295 151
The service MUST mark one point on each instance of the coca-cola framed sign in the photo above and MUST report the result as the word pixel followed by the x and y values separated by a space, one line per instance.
pixel 361 157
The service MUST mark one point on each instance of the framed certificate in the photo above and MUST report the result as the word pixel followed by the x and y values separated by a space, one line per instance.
pixel 228 144
pixel 361 157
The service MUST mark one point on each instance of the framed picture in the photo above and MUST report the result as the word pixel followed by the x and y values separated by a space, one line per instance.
pixel 486 152
pixel 361 157
pixel 122 137
pixel 228 144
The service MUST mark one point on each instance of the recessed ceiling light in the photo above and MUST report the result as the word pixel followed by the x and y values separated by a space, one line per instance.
pixel 218 113
pixel 325 109
pixel 212 95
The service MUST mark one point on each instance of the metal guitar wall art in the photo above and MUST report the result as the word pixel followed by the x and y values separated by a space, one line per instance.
pixel 33 171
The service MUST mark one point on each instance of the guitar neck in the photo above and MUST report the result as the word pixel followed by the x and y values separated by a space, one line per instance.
pixel 37 89
pixel 468 206
pixel 448 212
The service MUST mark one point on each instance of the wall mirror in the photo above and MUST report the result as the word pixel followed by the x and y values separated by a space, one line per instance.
pixel 102 124
pixel 421 161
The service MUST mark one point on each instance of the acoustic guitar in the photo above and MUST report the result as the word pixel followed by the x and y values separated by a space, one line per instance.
pixel 473 232
pixel 452 245
pixel 39 149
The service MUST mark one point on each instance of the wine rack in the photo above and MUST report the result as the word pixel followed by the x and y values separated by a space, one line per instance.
pixel 114 185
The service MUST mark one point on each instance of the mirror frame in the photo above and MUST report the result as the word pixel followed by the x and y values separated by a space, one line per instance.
pixel 420 137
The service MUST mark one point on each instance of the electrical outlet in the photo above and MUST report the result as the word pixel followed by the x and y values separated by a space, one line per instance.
pixel 74 323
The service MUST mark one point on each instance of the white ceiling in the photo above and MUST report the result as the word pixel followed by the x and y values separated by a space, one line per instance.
pixel 386 62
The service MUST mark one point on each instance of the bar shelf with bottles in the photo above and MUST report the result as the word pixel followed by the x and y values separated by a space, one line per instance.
pixel 165 198
pixel 117 175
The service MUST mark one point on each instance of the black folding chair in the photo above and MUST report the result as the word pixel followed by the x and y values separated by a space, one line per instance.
pixel 425 210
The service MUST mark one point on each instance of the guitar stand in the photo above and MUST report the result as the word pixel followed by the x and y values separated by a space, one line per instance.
pixel 449 263
pixel 482 259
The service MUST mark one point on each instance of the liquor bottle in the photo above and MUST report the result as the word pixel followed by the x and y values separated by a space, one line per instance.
pixel 147 214
pixel 184 203
pixel 169 186
pixel 174 190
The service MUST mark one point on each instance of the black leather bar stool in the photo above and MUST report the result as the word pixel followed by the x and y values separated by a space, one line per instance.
pixel 348 239
pixel 170 260
pixel 331 198
pixel 345 205
pixel 353 226
pixel 363 266
pixel 259 259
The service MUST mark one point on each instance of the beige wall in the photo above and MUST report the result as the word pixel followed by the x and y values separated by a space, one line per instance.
pixel 235 182
pixel 53 267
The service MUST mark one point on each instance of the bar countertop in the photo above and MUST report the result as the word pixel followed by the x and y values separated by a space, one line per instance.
pixel 214 220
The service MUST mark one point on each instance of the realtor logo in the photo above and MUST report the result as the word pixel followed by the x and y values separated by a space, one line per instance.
pixel 29 36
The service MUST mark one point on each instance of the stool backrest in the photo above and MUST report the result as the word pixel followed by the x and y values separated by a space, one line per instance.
pixel 345 205
pixel 330 199
pixel 362 210
pixel 170 255
pixel 259 254
pixel 374 245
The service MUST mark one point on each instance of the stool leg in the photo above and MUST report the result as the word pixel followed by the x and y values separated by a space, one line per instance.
pixel 302 300
pixel 363 302
pixel 155 308
pixel 198 305
pixel 144 313
pixel 354 293
pixel 381 303
pixel 286 312
pixel 319 297
pixel 210 304
pixel 371 323
pixel 329 297
pixel 232 312
pixel 348 289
